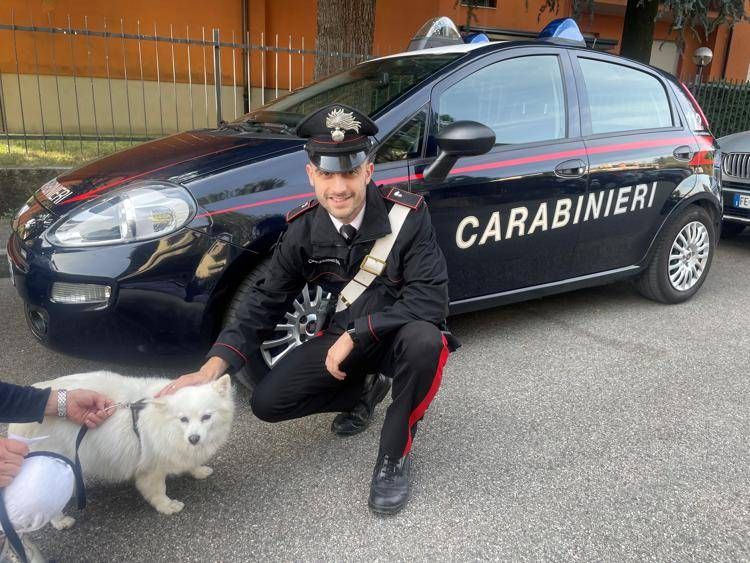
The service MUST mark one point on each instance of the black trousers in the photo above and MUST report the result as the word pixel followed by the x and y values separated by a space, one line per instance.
pixel 300 385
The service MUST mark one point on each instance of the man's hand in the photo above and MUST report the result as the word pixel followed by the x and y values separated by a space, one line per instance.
pixel 12 453
pixel 84 407
pixel 214 368
pixel 337 354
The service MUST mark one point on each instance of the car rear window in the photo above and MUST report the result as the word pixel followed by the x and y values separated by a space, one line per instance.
pixel 623 99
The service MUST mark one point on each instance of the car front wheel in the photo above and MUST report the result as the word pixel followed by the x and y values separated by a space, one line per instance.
pixel 682 258
pixel 298 326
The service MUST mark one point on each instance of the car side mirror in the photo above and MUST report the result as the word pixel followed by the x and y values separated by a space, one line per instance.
pixel 462 138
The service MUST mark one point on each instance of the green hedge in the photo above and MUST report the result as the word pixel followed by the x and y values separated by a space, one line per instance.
pixel 726 105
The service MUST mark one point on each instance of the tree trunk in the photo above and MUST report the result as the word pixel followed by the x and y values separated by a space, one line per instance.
pixel 638 29
pixel 344 26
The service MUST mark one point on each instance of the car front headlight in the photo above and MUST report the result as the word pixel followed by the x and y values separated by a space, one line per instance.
pixel 141 211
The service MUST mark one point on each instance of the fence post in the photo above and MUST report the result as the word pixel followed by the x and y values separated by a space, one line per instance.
pixel 217 75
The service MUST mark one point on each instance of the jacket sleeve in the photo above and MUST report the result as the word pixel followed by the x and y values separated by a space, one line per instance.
pixel 22 404
pixel 263 307
pixel 425 292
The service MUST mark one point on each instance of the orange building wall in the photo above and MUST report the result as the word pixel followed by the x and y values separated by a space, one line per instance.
pixel 89 54
pixel 739 55
pixel 395 23
pixel 293 20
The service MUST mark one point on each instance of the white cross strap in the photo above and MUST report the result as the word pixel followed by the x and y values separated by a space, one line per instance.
pixel 374 263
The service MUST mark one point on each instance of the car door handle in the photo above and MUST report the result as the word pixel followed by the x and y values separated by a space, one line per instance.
pixel 571 169
pixel 683 152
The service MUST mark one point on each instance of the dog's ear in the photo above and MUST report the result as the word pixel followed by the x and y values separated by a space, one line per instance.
pixel 223 385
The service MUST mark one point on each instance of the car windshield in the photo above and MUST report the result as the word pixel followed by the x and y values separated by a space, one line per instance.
pixel 368 87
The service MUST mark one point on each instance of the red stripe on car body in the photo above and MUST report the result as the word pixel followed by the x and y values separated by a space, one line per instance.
pixel 257 204
pixel 120 181
pixel 477 167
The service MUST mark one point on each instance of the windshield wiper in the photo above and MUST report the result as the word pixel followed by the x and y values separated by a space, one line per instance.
pixel 258 126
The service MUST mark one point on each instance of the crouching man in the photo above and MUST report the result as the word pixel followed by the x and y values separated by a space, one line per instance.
pixel 375 249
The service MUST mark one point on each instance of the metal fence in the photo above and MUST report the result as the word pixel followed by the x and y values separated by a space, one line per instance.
pixel 726 104
pixel 79 85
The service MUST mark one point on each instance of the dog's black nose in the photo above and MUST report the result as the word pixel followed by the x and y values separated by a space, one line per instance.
pixel 194 438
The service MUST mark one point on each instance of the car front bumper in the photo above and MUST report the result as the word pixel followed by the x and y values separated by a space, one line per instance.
pixel 158 291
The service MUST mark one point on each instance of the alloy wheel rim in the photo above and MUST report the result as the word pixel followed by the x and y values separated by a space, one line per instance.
pixel 689 256
pixel 299 325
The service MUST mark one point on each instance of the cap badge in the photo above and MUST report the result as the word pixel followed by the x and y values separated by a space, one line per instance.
pixel 340 121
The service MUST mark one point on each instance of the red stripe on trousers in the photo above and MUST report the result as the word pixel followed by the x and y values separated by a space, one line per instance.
pixel 418 412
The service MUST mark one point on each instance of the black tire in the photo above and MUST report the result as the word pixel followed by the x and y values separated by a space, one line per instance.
pixel 654 283
pixel 257 365
pixel 730 229
pixel 254 370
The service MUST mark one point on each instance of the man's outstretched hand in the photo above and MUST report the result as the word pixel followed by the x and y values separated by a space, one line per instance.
pixel 214 368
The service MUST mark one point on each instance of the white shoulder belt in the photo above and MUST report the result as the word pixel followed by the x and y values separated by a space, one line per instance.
pixel 374 263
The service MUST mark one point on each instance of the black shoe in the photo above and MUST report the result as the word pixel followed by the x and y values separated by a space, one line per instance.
pixel 354 422
pixel 391 485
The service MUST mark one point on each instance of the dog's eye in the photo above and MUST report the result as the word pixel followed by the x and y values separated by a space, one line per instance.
pixel 205 417
pixel 184 419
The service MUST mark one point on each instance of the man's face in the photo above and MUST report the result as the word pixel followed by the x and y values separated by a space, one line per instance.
pixel 342 194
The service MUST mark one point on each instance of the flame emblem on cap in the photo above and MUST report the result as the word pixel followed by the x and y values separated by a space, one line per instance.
pixel 340 121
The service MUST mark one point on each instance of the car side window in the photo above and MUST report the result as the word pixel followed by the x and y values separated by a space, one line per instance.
pixel 623 98
pixel 521 99
pixel 405 143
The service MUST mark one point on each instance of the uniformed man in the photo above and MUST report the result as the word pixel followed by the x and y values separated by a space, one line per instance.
pixel 376 249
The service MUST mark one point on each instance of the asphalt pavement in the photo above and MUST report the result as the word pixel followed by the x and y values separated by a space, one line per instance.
pixel 594 425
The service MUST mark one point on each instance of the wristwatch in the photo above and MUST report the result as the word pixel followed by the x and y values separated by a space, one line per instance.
pixel 62 403
pixel 353 335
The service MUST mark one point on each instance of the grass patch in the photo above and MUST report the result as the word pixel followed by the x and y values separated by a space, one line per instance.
pixel 55 153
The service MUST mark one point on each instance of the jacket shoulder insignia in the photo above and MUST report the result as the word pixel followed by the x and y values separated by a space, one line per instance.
pixel 397 195
pixel 300 209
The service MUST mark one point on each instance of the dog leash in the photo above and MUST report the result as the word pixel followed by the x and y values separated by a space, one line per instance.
pixel 7 525
pixel 135 411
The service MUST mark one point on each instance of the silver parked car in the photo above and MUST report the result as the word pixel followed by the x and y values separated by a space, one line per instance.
pixel 735 182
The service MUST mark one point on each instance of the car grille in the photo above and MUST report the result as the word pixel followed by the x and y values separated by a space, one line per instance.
pixel 737 164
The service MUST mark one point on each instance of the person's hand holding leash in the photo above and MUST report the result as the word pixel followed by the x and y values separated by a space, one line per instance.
pixel 12 453
pixel 214 368
pixel 337 354
pixel 82 407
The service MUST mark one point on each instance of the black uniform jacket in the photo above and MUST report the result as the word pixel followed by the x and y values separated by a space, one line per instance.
pixel 22 404
pixel 414 285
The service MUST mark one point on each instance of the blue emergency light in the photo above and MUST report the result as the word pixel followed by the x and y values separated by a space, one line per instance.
pixel 563 30
pixel 476 37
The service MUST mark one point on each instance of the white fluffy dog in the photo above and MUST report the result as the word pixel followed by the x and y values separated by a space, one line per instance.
pixel 176 433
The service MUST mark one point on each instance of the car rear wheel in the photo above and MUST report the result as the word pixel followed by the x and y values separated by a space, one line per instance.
pixel 730 229
pixel 298 326
pixel 682 258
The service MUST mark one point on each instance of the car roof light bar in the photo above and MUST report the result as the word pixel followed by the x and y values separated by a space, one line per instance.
pixel 563 30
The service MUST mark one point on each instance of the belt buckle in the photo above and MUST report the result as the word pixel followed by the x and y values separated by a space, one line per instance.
pixel 375 270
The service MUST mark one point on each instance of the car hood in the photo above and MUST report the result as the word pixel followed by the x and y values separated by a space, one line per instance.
pixel 179 158
pixel 736 142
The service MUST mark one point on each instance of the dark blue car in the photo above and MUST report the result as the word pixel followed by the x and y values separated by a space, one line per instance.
pixel 602 170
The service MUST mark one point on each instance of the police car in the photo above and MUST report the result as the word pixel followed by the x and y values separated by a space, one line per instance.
pixel 733 160
pixel 601 170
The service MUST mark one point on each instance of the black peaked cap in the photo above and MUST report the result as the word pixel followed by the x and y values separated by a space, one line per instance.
pixel 338 137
